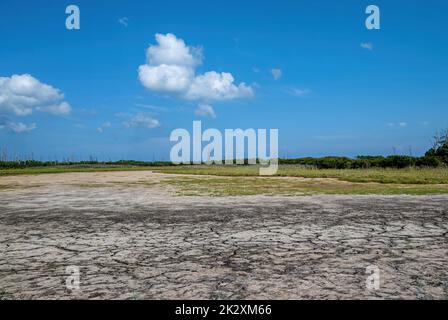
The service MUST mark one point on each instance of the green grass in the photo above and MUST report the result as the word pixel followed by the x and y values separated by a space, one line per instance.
pixel 67 169
pixel 396 176
pixel 238 186
pixel 290 179
pixel 297 180
pixel 388 176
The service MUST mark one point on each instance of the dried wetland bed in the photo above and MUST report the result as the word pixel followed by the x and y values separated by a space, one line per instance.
pixel 169 233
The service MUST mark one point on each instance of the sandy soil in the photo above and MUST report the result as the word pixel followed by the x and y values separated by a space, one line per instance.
pixel 132 238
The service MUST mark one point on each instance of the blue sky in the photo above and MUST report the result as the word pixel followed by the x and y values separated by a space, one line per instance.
pixel 304 71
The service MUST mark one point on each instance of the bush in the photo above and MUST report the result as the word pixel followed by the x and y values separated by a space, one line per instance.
pixel 440 147
pixel 321 163
pixel 429 161
pixel 365 162
pixel 399 162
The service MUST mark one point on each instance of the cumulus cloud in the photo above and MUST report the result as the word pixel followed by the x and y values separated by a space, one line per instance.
pixel 172 51
pixel 18 127
pixel 21 94
pixel 216 86
pixel 276 73
pixel 170 67
pixel 367 45
pixel 142 119
pixel 62 108
pixel 205 110
pixel 169 78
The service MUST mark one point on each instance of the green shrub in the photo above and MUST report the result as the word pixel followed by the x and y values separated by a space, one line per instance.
pixel 429 161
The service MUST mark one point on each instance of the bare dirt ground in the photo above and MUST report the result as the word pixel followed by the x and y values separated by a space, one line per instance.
pixel 132 238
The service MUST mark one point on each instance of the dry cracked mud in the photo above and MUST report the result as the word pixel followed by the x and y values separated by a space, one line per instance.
pixel 133 238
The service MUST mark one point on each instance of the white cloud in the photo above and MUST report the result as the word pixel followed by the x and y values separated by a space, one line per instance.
pixel 62 108
pixel 205 110
pixel 152 107
pixel 18 127
pixel 123 21
pixel 169 78
pixel 367 45
pixel 299 92
pixel 104 126
pixel 217 86
pixel 21 94
pixel 172 51
pixel 170 67
pixel 141 119
pixel 400 124
pixel 276 73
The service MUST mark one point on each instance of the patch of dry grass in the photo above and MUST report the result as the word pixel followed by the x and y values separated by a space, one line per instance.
pixel 238 186
pixel 393 176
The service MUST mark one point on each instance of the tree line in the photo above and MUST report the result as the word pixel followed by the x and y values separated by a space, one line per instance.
pixel 436 156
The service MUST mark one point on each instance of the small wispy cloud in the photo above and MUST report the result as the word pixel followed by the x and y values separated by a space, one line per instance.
pixel 141 119
pixel 276 73
pixel 18 127
pixel 104 126
pixel 367 45
pixel 151 107
pixel 399 124
pixel 299 92
pixel 123 21
pixel 205 110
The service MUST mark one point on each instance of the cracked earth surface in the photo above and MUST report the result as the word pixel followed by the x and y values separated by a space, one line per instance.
pixel 132 238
